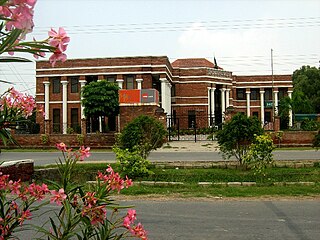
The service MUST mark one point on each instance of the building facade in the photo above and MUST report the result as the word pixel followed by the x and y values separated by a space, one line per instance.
pixel 188 90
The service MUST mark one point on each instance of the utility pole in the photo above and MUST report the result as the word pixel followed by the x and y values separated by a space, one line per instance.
pixel 272 79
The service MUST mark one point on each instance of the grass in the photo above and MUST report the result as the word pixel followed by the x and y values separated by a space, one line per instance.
pixel 191 177
pixel 192 190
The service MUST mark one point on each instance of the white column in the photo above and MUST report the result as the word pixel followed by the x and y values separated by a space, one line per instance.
pixel 64 106
pixel 82 84
pixel 248 102
pixel 276 102
pixel 164 94
pixel 211 96
pixel 120 83
pixel 46 100
pixel 139 83
pixel 100 124
pixel 168 91
pixel 223 102
pixel 227 98
pixel 262 106
pixel 290 111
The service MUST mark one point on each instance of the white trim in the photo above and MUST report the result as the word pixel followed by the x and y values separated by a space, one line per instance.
pixel 287 86
pixel 58 102
pixel 139 104
pixel 39 94
pixel 102 73
pixel 204 76
pixel 182 82
pixel 245 107
pixel 190 97
pixel 264 82
pixel 98 67
pixel 190 104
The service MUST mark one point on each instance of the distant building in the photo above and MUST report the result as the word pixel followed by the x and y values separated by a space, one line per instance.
pixel 190 91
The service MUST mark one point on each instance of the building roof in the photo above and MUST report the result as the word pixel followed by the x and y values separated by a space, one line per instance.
pixel 192 62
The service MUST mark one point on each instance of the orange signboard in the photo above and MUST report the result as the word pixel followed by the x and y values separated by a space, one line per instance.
pixel 129 96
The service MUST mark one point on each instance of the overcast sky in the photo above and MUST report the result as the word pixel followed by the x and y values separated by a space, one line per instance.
pixel 240 34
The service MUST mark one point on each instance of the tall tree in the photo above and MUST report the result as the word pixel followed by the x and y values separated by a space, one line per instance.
pixel 100 99
pixel 306 94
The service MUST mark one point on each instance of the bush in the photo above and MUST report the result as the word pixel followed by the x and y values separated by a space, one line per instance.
pixel 131 163
pixel 259 156
pixel 316 141
pixel 237 135
pixel 142 135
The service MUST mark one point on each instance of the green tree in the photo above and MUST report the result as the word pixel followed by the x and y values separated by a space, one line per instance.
pixel 100 99
pixel 237 135
pixel 306 94
pixel 143 134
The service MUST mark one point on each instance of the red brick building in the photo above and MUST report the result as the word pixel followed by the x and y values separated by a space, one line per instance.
pixel 188 89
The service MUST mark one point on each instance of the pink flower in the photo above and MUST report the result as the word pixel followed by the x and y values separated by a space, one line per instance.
pixel 25 215
pixel 57 56
pixel 139 232
pixel 84 153
pixel 58 39
pixel 61 146
pixel 59 196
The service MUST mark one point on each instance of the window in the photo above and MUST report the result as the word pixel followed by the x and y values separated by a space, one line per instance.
pixel 241 94
pixel 56 120
pixel 55 85
pixel 191 118
pixel 267 116
pixel 129 82
pixel 268 94
pixel 255 93
pixel 92 78
pixel 74 83
pixel 74 119
pixel 110 79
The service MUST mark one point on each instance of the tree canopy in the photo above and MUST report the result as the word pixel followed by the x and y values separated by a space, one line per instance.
pixel 237 135
pixel 306 94
pixel 100 99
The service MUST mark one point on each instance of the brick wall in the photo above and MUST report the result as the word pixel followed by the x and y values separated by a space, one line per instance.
pixel 95 140
pixel 295 138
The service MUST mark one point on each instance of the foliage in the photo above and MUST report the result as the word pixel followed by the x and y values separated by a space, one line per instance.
pixel 44 138
pixel 285 105
pixel 143 134
pixel 306 82
pixel 13 107
pixel 316 141
pixel 259 156
pixel 237 135
pixel 131 163
pixel 100 99
pixel 82 215
pixel 80 139
pixel 279 136
pixel 310 125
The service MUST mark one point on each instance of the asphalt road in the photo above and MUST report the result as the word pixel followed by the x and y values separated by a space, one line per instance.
pixel 44 158
pixel 241 220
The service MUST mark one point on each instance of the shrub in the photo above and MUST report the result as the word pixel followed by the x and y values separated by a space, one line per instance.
pixel 259 156
pixel 131 163
pixel 142 135
pixel 237 135
pixel 44 139
pixel 316 141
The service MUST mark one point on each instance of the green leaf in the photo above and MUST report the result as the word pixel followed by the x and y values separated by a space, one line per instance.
pixel 14 59
pixel 10 40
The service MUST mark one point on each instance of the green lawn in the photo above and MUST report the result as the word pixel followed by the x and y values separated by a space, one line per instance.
pixel 190 178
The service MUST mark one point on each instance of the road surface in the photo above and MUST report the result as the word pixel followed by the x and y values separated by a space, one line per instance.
pixel 227 220
pixel 44 158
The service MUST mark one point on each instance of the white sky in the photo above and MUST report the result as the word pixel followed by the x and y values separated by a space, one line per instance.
pixel 240 34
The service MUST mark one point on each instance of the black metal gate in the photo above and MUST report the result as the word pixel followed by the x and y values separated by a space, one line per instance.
pixel 191 128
